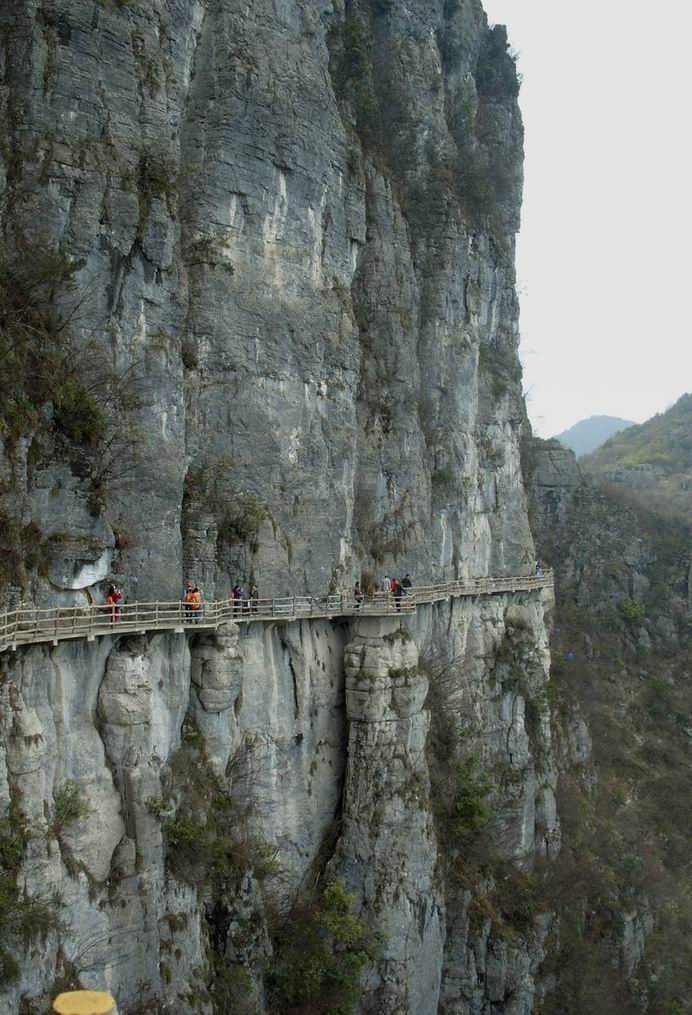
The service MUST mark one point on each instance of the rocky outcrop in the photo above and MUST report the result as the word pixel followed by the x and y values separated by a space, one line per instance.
pixel 273 245
pixel 387 852
pixel 607 547
pixel 292 232
pixel 318 732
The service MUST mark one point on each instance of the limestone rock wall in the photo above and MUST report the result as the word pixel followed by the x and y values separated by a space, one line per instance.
pixel 293 225
pixel 388 851
pixel 319 730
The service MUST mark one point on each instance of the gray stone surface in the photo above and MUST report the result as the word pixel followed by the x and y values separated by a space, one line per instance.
pixel 304 311
pixel 317 726
pixel 387 853
pixel 322 334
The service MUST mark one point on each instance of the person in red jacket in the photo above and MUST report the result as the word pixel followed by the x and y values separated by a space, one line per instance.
pixel 113 599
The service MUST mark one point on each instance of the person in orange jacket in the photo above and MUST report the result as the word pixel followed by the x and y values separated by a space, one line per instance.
pixel 192 601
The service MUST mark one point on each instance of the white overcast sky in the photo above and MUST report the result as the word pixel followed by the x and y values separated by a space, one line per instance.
pixel 604 255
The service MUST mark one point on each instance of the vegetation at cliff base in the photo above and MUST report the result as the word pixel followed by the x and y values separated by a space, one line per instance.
pixel 320 955
pixel 23 918
pixel 206 835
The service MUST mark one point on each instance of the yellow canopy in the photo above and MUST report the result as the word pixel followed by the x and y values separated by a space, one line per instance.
pixel 84 1002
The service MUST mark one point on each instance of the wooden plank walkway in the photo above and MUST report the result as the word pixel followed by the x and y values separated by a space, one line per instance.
pixel 27 625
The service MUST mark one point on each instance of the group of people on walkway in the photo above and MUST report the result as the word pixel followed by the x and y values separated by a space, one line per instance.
pixel 246 599
pixel 395 587
pixel 243 599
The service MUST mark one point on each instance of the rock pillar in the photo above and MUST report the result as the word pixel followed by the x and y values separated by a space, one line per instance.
pixel 387 851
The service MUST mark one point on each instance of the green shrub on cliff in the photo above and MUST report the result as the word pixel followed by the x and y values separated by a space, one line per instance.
pixel 77 415
pixel 23 918
pixel 157 176
pixel 21 548
pixel 38 360
pixel 242 518
pixel 69 806
pixel 459 789
pixel 210 487
pixel 62 393
pixel 320 955
pixel 468 802
pixel 499 368
pixel 350 66
pixel 496 71
pixel 208 843
pixel 632 611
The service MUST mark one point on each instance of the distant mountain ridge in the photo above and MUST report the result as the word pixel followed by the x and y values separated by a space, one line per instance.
pixel 665 440
pixel 653 460
pixel 589 434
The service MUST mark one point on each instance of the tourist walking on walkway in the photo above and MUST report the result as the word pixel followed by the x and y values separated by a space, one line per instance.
pixel 236 597
pixel 113 600
pixel 254 596
pixel 397 592
pixel 407 584
pixel 186 592
pixel 193 602
pixel 358 595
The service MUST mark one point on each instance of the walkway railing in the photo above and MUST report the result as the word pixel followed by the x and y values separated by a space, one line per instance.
pixel 27 625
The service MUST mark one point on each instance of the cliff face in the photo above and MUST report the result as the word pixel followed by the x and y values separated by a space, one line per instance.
pixel 314 737
pixel 622 716
pixel 290 232
pixel 263 326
